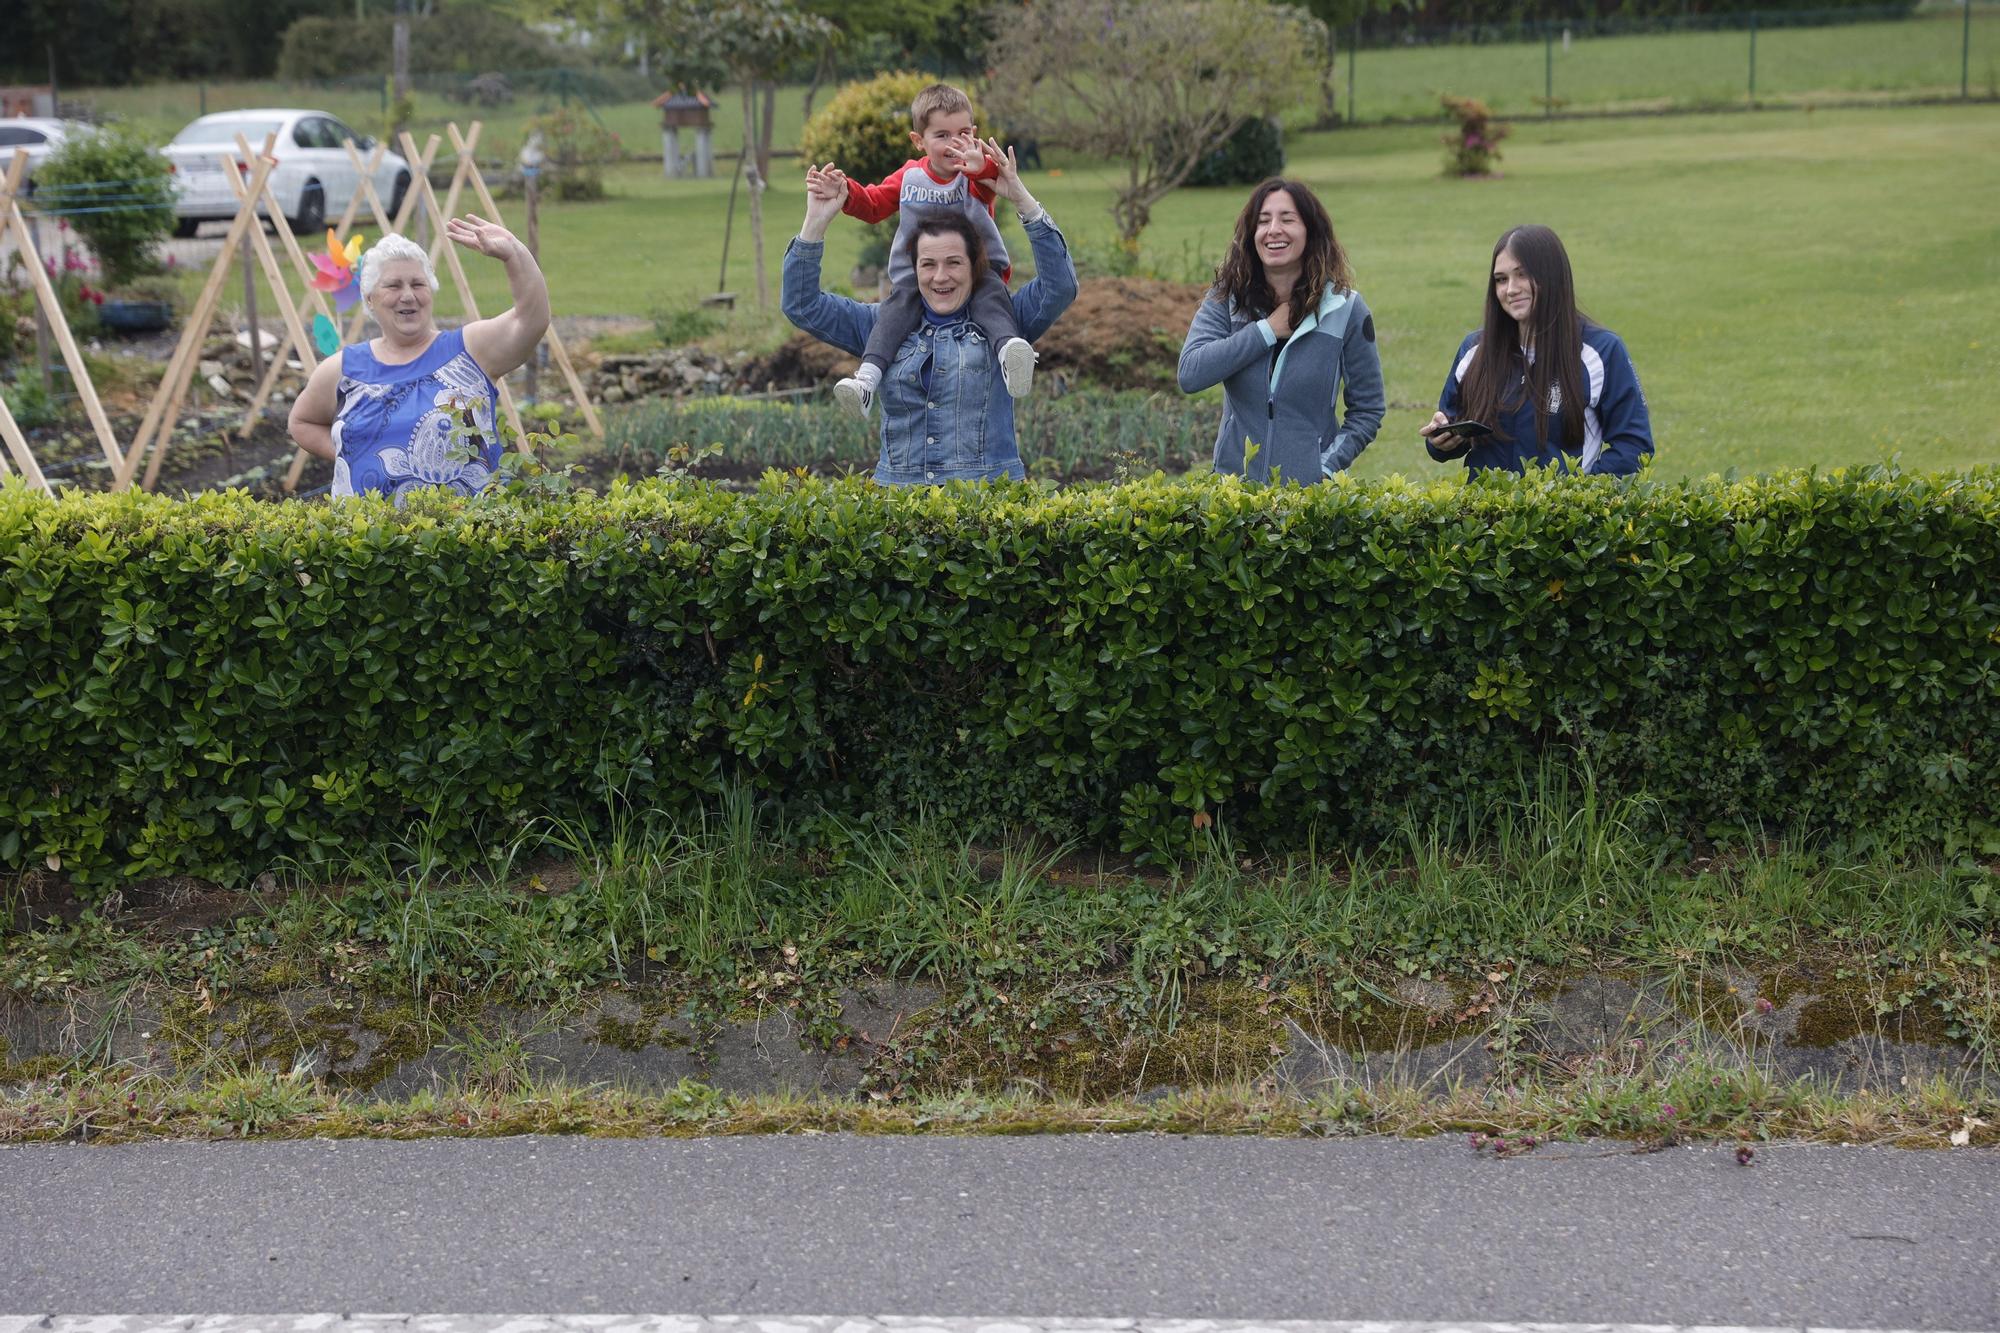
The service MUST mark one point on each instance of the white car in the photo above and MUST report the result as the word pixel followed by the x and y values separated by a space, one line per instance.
pixel 313 179
pixel 39 135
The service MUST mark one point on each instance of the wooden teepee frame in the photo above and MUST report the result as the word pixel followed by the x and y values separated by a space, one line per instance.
pixel 158 423
pixel 11 219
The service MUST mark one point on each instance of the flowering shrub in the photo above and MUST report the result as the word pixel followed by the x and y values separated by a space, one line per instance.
pixel 1473 148
pixel 69 273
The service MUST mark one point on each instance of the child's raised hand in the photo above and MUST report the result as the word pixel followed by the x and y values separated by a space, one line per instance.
pixel 1009 178
pixel 821 184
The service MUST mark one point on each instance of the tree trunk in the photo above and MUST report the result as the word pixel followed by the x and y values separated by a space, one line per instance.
pixel 1329 105
pixel 764 131
pixel 399 54
pixel 822 68
pixel 754 173
pixel 1132 211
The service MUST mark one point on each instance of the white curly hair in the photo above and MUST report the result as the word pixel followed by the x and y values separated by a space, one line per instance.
pixel 386 251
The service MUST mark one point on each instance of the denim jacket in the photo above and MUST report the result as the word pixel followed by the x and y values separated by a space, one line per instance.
pixel 963 427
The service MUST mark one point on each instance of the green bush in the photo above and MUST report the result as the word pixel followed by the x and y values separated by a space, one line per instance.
pixel 864 129
pixel 209 685
pixel 117 192
pixel 1255 153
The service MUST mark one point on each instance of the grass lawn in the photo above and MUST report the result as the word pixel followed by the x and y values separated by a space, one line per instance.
pixel 1796 287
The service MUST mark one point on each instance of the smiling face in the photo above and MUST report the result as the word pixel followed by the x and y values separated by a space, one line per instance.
pixel 1280 236
pixel 944 272
pixel 945 136
pixel 1513 288
pixel 401 301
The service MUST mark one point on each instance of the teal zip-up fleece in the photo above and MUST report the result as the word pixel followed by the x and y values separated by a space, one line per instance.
pixel 1288 406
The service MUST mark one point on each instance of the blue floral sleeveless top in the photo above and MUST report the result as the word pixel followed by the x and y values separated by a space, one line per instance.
pixel 428 423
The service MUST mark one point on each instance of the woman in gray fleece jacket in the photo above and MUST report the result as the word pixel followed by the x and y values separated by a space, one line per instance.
pixel 1284 332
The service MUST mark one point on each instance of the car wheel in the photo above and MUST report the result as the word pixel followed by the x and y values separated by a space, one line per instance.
pixel 396 195
pixel 312 210
pixel 186 227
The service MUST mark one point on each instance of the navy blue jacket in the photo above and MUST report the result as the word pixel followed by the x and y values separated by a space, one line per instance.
pixel 1617 433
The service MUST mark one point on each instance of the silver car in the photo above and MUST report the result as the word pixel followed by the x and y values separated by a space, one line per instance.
pixel 39 135
pixel 313 178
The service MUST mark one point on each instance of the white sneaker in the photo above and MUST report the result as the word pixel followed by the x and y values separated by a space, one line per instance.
pixel 1017 366
pixel 855 396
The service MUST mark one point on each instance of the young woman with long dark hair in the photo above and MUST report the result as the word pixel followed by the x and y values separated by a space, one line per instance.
pixel 1283 331
pixel 1551 386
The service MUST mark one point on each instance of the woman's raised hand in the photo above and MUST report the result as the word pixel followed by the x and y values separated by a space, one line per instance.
pixel 488 238
pixel 826 194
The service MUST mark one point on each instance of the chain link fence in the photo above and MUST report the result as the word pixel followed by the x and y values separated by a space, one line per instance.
pixel 1692 63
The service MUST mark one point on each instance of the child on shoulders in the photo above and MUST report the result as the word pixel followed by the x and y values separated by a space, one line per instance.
pixel 952 176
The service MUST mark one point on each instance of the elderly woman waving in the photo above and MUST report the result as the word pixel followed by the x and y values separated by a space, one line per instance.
pixel 413 406
pixel 1283 331
pixel 946 415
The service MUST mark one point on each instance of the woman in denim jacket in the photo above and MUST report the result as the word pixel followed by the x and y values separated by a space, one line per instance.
pixel 1284 332
pixel 945 414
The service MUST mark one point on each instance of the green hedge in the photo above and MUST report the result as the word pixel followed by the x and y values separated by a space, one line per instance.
pixel 208 685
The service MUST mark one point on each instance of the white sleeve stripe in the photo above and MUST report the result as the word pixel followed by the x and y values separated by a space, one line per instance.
pixel 1464 363
pixel 1593 369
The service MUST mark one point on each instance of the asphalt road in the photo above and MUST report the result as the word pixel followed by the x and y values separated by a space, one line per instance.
pixel 1030 1227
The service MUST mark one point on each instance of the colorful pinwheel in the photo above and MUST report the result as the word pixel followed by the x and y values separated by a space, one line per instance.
pixel 339 271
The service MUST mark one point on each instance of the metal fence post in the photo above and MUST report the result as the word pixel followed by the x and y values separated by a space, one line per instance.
pixel 1350 70
pixel 1965 56
pixel 1548 70
pixel 1753 59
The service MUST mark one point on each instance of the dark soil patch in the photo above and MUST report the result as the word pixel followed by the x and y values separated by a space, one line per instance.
pixel 1121 333
pixel 203 455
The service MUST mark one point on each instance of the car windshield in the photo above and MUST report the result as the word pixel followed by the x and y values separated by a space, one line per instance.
pixel 20 134
pixel 224 129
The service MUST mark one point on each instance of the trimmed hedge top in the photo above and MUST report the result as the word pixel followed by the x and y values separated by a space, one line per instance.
pixel 211 684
